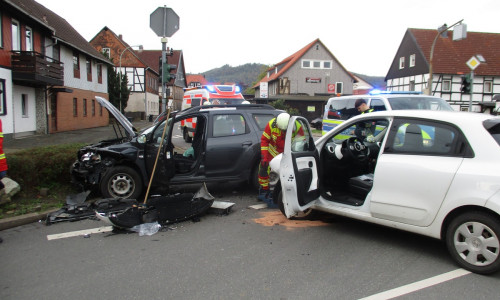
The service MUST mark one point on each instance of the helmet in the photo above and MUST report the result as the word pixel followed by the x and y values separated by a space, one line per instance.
pixel 282 121
pixel 245 102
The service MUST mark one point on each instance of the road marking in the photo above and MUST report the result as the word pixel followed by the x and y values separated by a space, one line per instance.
pixel 419 285
pixel 79 233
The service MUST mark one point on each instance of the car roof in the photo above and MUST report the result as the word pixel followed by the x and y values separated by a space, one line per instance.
pixel 383 95
pixel 457 117
pixel 227 107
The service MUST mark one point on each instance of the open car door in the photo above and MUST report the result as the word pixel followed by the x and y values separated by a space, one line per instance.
pixel 164 163
pixel 299 168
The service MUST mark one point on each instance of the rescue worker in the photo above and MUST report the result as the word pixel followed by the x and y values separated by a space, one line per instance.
pixel 3 170
pixel 363 130
pixel 272 143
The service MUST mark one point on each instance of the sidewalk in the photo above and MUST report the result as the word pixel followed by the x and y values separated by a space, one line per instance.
pixel 86 136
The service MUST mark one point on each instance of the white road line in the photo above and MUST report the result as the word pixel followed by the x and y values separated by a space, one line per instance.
pixel 79 233
pixel 419 285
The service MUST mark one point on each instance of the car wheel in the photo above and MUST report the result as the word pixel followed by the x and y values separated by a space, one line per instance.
pixel 254 178
pixel 121 182
pixel 473 240
pixel 185 135
pixel 305 215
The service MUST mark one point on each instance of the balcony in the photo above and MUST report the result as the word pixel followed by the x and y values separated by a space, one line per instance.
pixel 34 69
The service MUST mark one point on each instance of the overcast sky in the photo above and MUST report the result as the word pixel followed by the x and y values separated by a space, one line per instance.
pixel 363 35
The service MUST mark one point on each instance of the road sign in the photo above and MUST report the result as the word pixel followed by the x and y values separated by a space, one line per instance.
pixel 164 21
pixel 473 63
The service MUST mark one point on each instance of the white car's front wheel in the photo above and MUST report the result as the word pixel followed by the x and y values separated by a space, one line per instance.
pixel 473 240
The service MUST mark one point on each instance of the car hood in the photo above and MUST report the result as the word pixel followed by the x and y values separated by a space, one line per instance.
pixel 120 118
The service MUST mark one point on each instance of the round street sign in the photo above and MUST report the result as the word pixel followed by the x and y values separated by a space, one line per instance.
pixel 164 21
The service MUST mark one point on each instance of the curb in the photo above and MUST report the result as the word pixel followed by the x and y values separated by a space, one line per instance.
pixel 12 222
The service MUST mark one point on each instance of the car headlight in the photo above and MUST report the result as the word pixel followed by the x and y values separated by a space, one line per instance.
pixel 91 157
pixel 274 177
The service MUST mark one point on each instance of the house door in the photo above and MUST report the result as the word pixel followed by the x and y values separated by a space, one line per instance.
pixel 53 113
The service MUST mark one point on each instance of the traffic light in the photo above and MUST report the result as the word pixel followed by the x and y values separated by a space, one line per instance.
pixel 166 74
pixel 466 84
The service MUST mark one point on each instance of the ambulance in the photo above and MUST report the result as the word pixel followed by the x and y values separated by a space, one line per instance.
pixel 207 94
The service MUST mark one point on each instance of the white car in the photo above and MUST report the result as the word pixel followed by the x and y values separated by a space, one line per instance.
pixel 429 172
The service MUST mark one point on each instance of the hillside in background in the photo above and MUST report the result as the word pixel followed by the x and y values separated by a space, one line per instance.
pixel 246 74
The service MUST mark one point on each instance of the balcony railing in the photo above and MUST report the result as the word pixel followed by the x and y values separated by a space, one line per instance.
pixel 35 69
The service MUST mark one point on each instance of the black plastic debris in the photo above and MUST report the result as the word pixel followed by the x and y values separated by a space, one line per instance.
pixel 76 208
pixel 162 209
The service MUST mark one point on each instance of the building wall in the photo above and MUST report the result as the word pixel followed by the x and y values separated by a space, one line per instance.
pixel 67 121
pixel 82 82
pixel 23 125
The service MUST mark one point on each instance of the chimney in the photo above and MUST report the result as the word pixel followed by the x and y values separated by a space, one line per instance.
pixel 120 37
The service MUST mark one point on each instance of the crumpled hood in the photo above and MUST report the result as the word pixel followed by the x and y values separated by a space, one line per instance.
pixel 124 122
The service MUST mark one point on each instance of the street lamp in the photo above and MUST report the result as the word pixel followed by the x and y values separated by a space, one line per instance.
pixel 440 32
pixel 120 81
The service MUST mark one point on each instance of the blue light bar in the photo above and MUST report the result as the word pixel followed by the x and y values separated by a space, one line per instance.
pixel 237 89
pixel 210 88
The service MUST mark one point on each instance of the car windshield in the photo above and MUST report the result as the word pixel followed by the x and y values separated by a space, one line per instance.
pixel 408 102
pixel 224 101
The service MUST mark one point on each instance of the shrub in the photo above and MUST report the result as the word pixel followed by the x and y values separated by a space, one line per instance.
pixel 42 166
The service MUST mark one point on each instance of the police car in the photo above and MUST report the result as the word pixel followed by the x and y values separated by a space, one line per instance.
pixel 339 109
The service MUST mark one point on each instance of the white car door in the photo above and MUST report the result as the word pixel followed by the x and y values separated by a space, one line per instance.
pixel 299 168
pixel 415 171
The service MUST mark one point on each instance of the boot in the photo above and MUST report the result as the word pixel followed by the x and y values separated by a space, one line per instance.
pixel 262 194
pixel 269 200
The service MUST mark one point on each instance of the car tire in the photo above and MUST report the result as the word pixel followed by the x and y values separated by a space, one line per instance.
pixel 185 135
pixel 121 182
pixel 306 215
pixel 473 240
pixel 254 178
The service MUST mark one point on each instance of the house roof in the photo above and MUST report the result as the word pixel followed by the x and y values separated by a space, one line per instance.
pixel 60 28
pixel 288 62
pixel 450 56
pixel 196 78
pixel 150 57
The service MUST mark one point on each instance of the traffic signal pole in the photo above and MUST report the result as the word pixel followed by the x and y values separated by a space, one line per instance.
pixel 471 89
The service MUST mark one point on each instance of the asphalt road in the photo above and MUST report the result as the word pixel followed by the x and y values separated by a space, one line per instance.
pixel 247 254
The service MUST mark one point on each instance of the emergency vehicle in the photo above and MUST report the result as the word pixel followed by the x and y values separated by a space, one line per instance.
pixel 207 94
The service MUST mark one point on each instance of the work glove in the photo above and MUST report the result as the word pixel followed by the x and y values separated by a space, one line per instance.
pixel 370 139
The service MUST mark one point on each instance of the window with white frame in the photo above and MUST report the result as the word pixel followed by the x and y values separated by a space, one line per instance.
pixel 412 60
pixel 16 36
pixel 24 105
pixel 316 64
pixel 29 39
pixel 412 85
pixel 106 52
pixel 401 62
pixel 446 86
pixel 3 98
pixel 488 87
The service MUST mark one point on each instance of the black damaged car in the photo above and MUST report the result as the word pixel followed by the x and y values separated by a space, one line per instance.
pixel 225 147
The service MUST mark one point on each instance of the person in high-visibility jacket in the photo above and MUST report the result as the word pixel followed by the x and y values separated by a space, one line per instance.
pixel 272 143
pixel 3 170
pixel 363 130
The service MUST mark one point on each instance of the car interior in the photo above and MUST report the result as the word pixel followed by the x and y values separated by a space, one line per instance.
pixel 348 162
pixel 187 160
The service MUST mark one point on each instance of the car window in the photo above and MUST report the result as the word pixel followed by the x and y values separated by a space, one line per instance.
pixel 262 119
pixel 424 138
pixel 342 109
pixel 494 130
pixel 377 104
pixel 158 133
pixel 408 102
pixel 373 128
pixel 300 137
pixel 225 125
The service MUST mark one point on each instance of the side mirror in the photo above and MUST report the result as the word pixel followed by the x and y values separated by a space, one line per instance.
pixel 142 139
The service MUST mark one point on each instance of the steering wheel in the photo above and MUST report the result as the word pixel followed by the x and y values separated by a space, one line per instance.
pixel 356 149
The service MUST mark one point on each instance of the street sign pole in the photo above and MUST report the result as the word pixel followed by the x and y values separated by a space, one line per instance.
pixel 164 22
pixel 472 63
pixel 163 83
pixel 471 89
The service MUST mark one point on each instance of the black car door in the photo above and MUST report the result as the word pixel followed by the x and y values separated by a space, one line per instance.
pixel 229 149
